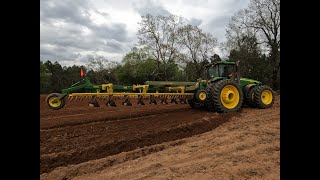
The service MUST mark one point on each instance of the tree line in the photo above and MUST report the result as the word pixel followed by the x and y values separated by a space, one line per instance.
pixel 170 49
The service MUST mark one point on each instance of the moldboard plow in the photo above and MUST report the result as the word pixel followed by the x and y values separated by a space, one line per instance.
pixel 152 92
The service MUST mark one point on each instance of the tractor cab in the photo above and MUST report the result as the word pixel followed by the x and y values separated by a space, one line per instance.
pixel 221 70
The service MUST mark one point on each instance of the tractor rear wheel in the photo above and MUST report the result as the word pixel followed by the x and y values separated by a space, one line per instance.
pixel 249 97
pixel 55 106
pixel 226 96
pixel 263 97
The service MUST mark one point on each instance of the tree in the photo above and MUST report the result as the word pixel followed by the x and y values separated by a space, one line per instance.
pixel 44 76
pixel 159 35
pixel 261 19
pixel 71 75
pixel 138 67
pixel 199 46
pixel 253 64
pixel 215 57
pixel 101 70
pixel 56 79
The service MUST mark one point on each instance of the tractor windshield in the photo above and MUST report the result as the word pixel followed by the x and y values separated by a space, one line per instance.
pixel 221 70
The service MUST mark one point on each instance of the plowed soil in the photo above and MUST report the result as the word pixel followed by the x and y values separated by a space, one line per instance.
pixel 109 142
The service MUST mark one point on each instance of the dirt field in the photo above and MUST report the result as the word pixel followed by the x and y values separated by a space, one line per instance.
pixel 158 142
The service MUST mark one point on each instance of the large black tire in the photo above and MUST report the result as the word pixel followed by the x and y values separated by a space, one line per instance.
pixel 233 96
pixel 263 97
pixel 55 106
pixel 249 97
pixel 191 103
pixel 209 105
pixel 194 103
pixel 199 96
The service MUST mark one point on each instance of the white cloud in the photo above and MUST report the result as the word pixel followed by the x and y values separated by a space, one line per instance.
pixel 70 30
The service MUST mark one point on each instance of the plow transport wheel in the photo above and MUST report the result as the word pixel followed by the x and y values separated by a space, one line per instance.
pixel 54 106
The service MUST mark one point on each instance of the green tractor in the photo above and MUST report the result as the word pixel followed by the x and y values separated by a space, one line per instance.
pixel 223 91
pixel 226 91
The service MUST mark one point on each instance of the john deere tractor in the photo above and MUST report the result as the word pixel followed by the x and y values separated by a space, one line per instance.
pixel 226 91
pixel 222 91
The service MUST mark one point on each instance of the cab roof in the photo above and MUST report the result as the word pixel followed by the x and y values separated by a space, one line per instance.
pixel 221 62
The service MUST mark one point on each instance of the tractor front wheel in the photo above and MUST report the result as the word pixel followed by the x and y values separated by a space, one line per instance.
pixel 194 103
pixel 263 97
pixel 191 103
pixel 209 105
pixel 55 105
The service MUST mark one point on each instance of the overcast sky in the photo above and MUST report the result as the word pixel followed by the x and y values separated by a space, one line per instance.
pixel 70 30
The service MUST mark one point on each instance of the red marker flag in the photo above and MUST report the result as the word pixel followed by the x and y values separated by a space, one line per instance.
pixel 81 72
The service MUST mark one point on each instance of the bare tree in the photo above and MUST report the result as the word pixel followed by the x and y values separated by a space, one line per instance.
pixel 102 68
pixel 198 45
pixel 262 20
pixel 159 35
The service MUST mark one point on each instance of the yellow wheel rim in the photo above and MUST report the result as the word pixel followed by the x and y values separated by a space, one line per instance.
pixel 54 104
pixel 230 97
pixel 202 96
pixel 266 97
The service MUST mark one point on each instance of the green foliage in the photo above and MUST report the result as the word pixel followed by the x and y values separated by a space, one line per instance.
pixel 191 70
pixel 138 67
pixel 44 76
pixel 54 77
pixel 102 70
pixel 253 64
pixel 261 20
pixel 197 46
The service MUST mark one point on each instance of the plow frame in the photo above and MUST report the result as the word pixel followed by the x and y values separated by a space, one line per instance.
pixel 154 90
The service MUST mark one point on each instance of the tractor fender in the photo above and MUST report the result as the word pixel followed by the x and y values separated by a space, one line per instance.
pixel 216 79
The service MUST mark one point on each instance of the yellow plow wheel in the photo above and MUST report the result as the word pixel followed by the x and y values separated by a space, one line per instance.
pixel 55 105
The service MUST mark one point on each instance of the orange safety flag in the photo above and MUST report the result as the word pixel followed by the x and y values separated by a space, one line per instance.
pixel 81 72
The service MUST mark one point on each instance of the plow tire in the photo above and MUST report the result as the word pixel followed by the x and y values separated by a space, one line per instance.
pixel 55 106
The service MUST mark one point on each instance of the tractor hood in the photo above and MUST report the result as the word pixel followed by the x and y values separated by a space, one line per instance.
pixel 245 81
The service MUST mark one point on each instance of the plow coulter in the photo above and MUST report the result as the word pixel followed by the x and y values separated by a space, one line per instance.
pixel 223 91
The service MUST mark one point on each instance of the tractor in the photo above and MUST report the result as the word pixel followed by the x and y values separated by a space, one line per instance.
pixel 226 91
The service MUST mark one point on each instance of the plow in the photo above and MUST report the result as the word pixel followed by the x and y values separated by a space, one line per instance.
pixel 222 91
